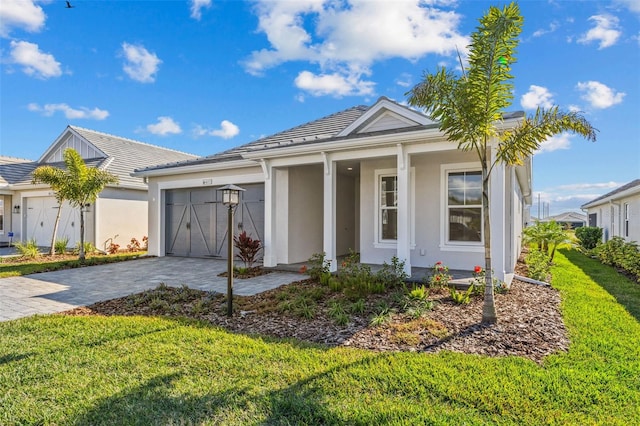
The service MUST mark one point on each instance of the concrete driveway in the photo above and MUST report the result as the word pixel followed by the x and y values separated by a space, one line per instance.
pixel 50 292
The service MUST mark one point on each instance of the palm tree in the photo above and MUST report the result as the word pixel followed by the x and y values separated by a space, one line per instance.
pixel 81 186
pixel 470 108
pixel 55 178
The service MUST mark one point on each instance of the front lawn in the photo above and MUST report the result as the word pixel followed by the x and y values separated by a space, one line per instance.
pixel 148 370
pixel 17 266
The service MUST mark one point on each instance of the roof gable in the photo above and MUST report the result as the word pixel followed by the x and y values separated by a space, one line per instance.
pixel 70 139
pixel 386 115
pixel 633 187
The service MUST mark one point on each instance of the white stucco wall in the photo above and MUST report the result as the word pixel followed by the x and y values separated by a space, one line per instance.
pixel 305 212
pixel 121 214
pixel 610 217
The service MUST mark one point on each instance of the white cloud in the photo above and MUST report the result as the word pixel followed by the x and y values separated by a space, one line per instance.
pixel 404 80
pixel 599 95
pixel 605 31
pixel 34 62
pixel 20 14
pixel 537 96
pixel 164 126
pixel 197 6
pixel 632 5
pixel 345 38
pixel 141 65
pixel 570 197
pixel 227 130
pixel 333 84
pixel 554 143
pixel 552 27
pixel 69 112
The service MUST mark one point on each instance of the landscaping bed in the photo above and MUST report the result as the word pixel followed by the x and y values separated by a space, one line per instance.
pixel 530 323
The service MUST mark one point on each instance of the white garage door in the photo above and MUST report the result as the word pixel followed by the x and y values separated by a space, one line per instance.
pixel 41 216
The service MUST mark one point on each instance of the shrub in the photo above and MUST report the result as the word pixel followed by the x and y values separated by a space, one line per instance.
pixel 621 254
pixel 89 248
pixel 546 236
pixel 392 275
pixel 28 249
pixel 440 277
pixel 319 267
pixel 589 236
pixel 419 293
pixel 461 297
pixel 248 248
pixel 113 248
pixel 60 246
pixel 134 245
pixel 538 264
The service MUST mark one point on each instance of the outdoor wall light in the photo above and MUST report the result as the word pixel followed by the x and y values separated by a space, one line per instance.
pixel 230 198
pixel 16 209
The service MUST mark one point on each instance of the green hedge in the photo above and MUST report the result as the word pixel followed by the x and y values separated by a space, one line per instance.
pixel 621 254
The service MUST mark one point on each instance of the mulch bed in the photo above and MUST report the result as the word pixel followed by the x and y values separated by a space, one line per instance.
pixel 530 323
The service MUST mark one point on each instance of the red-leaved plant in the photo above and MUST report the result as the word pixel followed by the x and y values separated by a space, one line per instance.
pixel 248 248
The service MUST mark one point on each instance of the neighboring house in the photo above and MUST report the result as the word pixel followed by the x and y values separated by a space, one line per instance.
pixel 28 211
pixel 617 212
pixel 380 180
pixel 571 220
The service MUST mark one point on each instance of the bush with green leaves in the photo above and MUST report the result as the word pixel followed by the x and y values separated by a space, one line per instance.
pixel 318 268
pixel 589 236
pixel 60 245
pixel 28 250
pixel 441 276
pixel 538 264
pixel 461 297
pixel 621 254
pixel 393 274
pixel 89 248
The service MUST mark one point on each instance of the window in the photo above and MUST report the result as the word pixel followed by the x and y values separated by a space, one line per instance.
pixel 385 211
pixel 464 206
pixel 1 216
pixel 626 219
pixel 388 212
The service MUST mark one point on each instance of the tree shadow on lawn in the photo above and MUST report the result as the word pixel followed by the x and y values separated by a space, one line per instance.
pixel 625 291
pixel 155 402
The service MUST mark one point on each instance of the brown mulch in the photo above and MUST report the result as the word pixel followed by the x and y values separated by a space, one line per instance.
pixel 530 323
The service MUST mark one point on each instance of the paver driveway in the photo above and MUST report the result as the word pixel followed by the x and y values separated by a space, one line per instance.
pixel 50 292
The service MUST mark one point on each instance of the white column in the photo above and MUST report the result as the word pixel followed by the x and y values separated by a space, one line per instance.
pixel 270 259
pixel 329 213
pixel 404 209
pixel 497 215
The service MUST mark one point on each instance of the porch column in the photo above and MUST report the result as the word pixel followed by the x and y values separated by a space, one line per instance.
pixel 404 208
pixel 329 212
pixel 497 216
pixel 270 259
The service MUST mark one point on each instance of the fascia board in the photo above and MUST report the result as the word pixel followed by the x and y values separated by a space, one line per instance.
pixel 388 105
pixel 178 170
pixel 624 194
pixel 348 144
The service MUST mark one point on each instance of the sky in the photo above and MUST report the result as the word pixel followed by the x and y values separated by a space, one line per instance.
pixel 202 76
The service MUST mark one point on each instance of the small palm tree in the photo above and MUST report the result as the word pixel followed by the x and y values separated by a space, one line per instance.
pixel 470 108
pixel 80 185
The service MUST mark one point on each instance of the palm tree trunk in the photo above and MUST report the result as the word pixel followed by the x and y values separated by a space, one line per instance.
pixel 55 230
pixel 81 256
pixel 489 314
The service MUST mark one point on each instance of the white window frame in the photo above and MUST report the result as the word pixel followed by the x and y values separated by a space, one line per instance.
pixel 2 214
pixel 445 244
pixel 378 242
pixel 626 220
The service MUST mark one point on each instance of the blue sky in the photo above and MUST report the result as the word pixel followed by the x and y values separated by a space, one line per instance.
pixel 201 76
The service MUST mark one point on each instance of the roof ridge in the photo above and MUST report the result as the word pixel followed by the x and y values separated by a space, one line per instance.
pixel 8 157
pixel 129 140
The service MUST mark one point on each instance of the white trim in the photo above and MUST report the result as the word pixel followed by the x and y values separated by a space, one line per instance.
pixel 392 244
pixel 473 247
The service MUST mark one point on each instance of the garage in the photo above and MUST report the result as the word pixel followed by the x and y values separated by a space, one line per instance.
pixel 196 220
pixel 40 220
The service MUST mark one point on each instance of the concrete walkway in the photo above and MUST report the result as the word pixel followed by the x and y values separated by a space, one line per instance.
pixel 50 292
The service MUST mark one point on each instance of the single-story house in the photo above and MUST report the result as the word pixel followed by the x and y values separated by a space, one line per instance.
pixel 381 180
pixel 571 220
pixel 28 211
pixel 617 212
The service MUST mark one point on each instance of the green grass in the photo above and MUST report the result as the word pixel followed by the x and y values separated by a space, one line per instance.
pixel 10 268
pixel 143 371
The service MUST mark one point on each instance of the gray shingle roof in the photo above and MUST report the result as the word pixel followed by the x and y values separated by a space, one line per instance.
pixel 629 185
pixel 14 170
pixel 126 155
pixel 322 129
